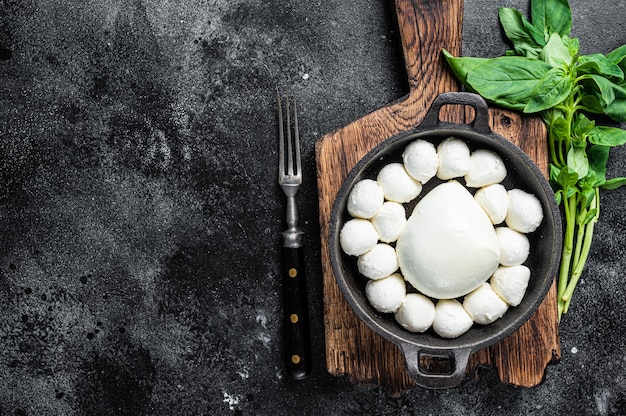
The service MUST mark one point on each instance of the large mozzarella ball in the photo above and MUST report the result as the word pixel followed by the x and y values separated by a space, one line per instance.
pixel 365 199
pixel 494 200
pixel 416 314
pixel 451 320
pixel 386 294
pixel 454 158
pixel 484 305
pixel 485 168
pixel 357 236
pixel 448 246
pixel 389 221
pixel 397 184
pixel 514 246
pixel 525 213
pixel 421 160
pixel 379 262
pixel 510 283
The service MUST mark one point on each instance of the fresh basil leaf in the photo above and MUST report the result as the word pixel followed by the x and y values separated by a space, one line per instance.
pixel 607 136
pixel 555 53
pixel 605 90
pixel 593 180
pixel 507 80
pixel 587 194
pixel 554 87
pixel 554 173
pixel 586 217
pixel 617 108
pixel 462 65
pixel 572 44
pixel 554 15
pixel 558 129
pixel 614 183
pixel 581 126
pixel 567 178
pixel 558 196
pixel 600 65
pixel 598 156
pixel 618 57
pixel 591 103
pixel 577 161
pixel 526 39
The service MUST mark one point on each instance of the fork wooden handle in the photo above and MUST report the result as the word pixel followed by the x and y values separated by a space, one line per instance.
pixel 295 313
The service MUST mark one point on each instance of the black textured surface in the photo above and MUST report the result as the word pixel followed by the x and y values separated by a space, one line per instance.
pixel 140 219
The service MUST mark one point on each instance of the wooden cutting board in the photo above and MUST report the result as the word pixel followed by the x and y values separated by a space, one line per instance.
pixel 352 349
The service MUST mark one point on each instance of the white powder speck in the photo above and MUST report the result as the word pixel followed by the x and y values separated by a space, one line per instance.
pixel 231 399
pixel 262 319
pixel 243 373
pixel 305 76
pixel 574 350
pixel 602 398
pixel 265 339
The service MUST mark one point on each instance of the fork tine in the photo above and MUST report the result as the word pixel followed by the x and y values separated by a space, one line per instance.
pixel 281 138
pixel 296 138
pixel 289 142
pixel 291 150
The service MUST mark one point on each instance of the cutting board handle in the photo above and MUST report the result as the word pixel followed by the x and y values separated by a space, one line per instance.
pixel 426 27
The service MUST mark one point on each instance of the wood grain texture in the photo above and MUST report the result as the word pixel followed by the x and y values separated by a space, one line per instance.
pixel 352 349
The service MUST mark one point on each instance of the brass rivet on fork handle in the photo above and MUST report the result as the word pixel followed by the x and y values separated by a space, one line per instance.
pixel 297 343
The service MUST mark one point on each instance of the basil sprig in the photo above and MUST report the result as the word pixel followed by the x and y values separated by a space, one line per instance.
pixel 545 74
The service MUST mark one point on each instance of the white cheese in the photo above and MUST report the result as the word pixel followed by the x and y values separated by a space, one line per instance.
pixel 365 199
pixel 510 283
pixel 416 314
pixel 454 158
pixel 397 184
pixel 386 295
pixel 485 168
pixel 448 246
pixel 357 236
pixel 379 262
pixel 484 305
pixel 494 199
pixel 514 246
pixel 390 221
pixel 451 320
pixel 421 160
pixel 525 213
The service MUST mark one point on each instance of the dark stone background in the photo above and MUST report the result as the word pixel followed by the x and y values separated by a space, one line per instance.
pixel 140 219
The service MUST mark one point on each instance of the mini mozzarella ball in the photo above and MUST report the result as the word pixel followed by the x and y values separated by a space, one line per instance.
pixel 379 262
pixel 357 236
pixel 416 314
pixel 525 213
pixel 494 200
pixel 484 305
pixel 397 184
pixel 514 246
pixel 451 320
pixel 421 160
pixel 485 168
pixel 454 158
pixel 365 199
pixel 510 283
pixel 390 221
pixel 386 294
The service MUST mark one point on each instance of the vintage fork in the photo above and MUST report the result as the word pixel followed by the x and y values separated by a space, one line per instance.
pixel 295 305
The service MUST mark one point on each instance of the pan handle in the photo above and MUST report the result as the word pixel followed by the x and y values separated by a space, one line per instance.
pixel 480 123
pixel 458 358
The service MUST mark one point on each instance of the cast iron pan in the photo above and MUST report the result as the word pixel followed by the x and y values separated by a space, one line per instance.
pixel 545 242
